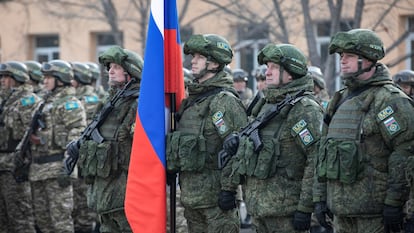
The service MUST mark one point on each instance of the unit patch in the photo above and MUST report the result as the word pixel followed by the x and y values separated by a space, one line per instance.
pixel 392 125
pixel 306 137
pixel 219 122
pixel 91 99
pixel 26 101
pixel 299 126
pixel 71 105
pixel 385 113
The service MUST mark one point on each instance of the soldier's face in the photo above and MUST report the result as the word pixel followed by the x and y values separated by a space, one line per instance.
pixel 273 75
pixel 349 64
pixel 6 82
pixel 49 83
pixel 198 63
pixel 117 75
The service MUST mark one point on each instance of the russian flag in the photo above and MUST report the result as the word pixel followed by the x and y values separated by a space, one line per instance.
pixel 162 78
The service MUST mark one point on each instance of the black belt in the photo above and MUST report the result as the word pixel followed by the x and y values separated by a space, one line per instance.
pixel 48 158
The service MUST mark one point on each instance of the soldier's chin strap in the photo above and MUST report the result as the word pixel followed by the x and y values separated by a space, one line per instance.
pixel 360 70
pixel 204 72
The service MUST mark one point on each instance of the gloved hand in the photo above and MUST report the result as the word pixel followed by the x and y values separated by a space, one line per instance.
pixel 321 210
pixel 231 144
pixel 301 221
pixel 393 218
pixel 63 180
pixel 73 151
pixel 171 178
pixel 227 200
pixel 409 224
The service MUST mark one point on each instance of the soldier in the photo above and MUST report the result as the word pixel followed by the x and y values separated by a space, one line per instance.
pixel 260 75
pixel 104 163
pixel 405 80
pixel 16 213
pixel 96 80
pixel 319 88
pixel 36 77
pixel 207 116
pixel 367 137
pixel 278 175
pixel 240 79
pixel 64 119
pixel 84 217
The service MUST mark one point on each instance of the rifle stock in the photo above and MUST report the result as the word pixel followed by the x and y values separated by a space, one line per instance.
pixel 252 129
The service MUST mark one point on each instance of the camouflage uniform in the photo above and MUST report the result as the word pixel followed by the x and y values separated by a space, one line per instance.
pixel 16 213
pixel 84 217
pixel 279 177
pixel 104 165
pixel 210 113
pixel 64 118
pixel 367 138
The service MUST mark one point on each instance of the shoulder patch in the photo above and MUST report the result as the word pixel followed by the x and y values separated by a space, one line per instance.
pixel 392 125
pixel 219 122
pixel 306 137
pixel 299 126
pixel 386 112
pixel 27 101
pixel 71 105
pixel 91 99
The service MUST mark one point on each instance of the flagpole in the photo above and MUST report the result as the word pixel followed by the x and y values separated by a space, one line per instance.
pixel 173 185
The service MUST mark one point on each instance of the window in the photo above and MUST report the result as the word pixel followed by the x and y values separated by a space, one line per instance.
pixel 46 48
pixel 410 43
pixel 103 42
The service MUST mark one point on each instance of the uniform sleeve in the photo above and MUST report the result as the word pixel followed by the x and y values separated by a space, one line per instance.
pixel 306 128
pixel 397 128
pixel 73 117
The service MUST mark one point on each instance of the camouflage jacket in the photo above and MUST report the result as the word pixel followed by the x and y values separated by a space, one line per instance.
pixel 90 100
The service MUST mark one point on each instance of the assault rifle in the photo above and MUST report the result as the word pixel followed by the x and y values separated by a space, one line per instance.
pixel 23 153
pixel 252 129
pixel 92 130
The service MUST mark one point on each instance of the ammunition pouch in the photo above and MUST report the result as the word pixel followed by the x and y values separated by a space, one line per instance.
pixel 98 159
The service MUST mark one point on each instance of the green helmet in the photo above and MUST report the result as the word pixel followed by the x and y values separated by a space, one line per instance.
pixel 286 55
pixel 240 75
pixel 34 68
pixel 260 72
pixel 212 46
pixel 60 69
pixel 188 76
pixel 317 76
pixel 17 70
pixel 95 70
pixel 81 73
pixel 363 42
pixel 404 76
pixel 130 61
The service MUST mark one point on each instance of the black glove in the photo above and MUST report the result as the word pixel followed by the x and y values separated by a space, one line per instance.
pixel 227 200
pixel 321 210
pixel 231 144
pixel 393 218
pixel 409 224
pixel 63 180
pixel 301 221
pixel 73 151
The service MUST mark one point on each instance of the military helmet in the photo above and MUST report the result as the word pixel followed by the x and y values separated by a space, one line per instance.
pixel 363 42
pixel 188 76
pixel 212 46
pixel 81 73
pixel 240 75
pixel 260 72
pixel 404 76
pixel 286 55
pixel 317 76
pixel 130 61
pixel 60 69
pixel 17 70
pixel 95 70
pixel 34 69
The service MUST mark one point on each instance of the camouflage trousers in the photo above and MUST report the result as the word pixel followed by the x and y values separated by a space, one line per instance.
pixel 279 224
pixel 84 218
pixel 114 222
pixel 16 213
pixel 358 224
pixel 180 221
pixel 53 206
pixel 212 220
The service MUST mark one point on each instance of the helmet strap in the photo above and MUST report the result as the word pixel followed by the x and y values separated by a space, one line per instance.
pixel 360 69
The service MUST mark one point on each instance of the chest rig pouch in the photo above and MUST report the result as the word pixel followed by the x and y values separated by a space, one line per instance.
pixel 341 152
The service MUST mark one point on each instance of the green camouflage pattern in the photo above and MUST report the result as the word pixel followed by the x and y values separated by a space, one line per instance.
pixel 278 224
pixel 130 61
pixel 211 46
pixel 89 99
pixel 358 224
pixel 382 152
pixel 212 219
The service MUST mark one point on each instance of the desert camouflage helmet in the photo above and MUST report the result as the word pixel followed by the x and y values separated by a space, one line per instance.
pixel 286 55
pixel 59 69
pixel 95 70
pixel 129 60
pixel 81 73
pixel 15 69
pixel 34 69
pixel 212 46
pixel 404 76
pixel 363 42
